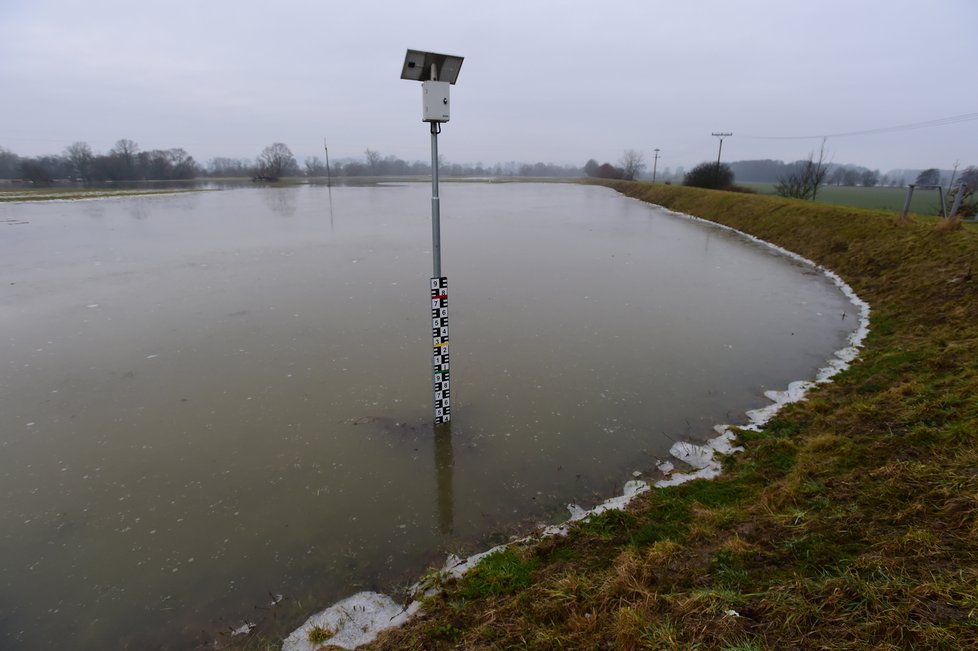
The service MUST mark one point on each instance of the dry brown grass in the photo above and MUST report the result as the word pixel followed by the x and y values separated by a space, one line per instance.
pixel 951 224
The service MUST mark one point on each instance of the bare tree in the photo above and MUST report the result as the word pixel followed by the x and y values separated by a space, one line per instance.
pixel 275 161
pixel 80 156
pixel 125 151
pixel 805 180
pixel 182 164
pixel 631 164
pixel 373 160
pixel 315 166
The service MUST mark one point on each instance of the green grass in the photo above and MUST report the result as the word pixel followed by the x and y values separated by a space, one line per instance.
pixel 849 522
pixel 499 573
pixel 924 202
pixel 610 524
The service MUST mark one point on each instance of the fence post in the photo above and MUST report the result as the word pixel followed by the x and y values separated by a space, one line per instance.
pixel 906 204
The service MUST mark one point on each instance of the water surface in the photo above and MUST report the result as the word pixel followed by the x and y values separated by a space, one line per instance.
pixel 211 399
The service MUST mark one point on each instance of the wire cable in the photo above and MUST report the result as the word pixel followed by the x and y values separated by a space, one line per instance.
pixel 940 122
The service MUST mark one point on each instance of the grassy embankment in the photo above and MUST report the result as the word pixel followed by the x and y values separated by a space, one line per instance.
pixel 849 522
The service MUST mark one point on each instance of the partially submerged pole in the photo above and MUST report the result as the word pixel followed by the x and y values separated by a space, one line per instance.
pixel 441 383
pixel 329 185
pixel 436 72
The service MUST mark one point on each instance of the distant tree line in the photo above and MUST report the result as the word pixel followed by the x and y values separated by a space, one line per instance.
pixel 125 162
pixel 375 164
pixel 78 162
pixel 771 171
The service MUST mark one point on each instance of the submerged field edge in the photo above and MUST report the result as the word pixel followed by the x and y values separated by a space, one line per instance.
pixel 40 196
pixel 358 620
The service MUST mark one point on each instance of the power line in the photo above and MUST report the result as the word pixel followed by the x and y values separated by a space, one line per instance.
pixel 940 122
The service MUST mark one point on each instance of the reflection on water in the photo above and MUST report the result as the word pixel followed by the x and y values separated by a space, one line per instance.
pixel 444 465
pixel 210 402
pixel 281 201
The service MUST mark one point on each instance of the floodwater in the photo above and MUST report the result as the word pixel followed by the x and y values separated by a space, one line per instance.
pixel 216 401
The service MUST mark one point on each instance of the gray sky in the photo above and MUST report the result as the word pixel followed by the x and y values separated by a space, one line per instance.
pixel 549 81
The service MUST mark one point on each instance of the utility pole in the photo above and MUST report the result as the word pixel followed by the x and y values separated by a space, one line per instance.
pixel 329 183
pixel 655 162
pixel 721 136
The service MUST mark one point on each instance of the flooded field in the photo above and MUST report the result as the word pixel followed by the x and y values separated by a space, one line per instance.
pixel 215 407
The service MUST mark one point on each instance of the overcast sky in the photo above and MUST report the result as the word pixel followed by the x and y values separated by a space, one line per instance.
pixel 542 81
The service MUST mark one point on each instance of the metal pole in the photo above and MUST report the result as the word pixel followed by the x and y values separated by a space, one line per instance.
pixel 906 204
pixel 958 196
pixel 435 204
pixel 655 163
pixel 329 183
pixel 716 175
